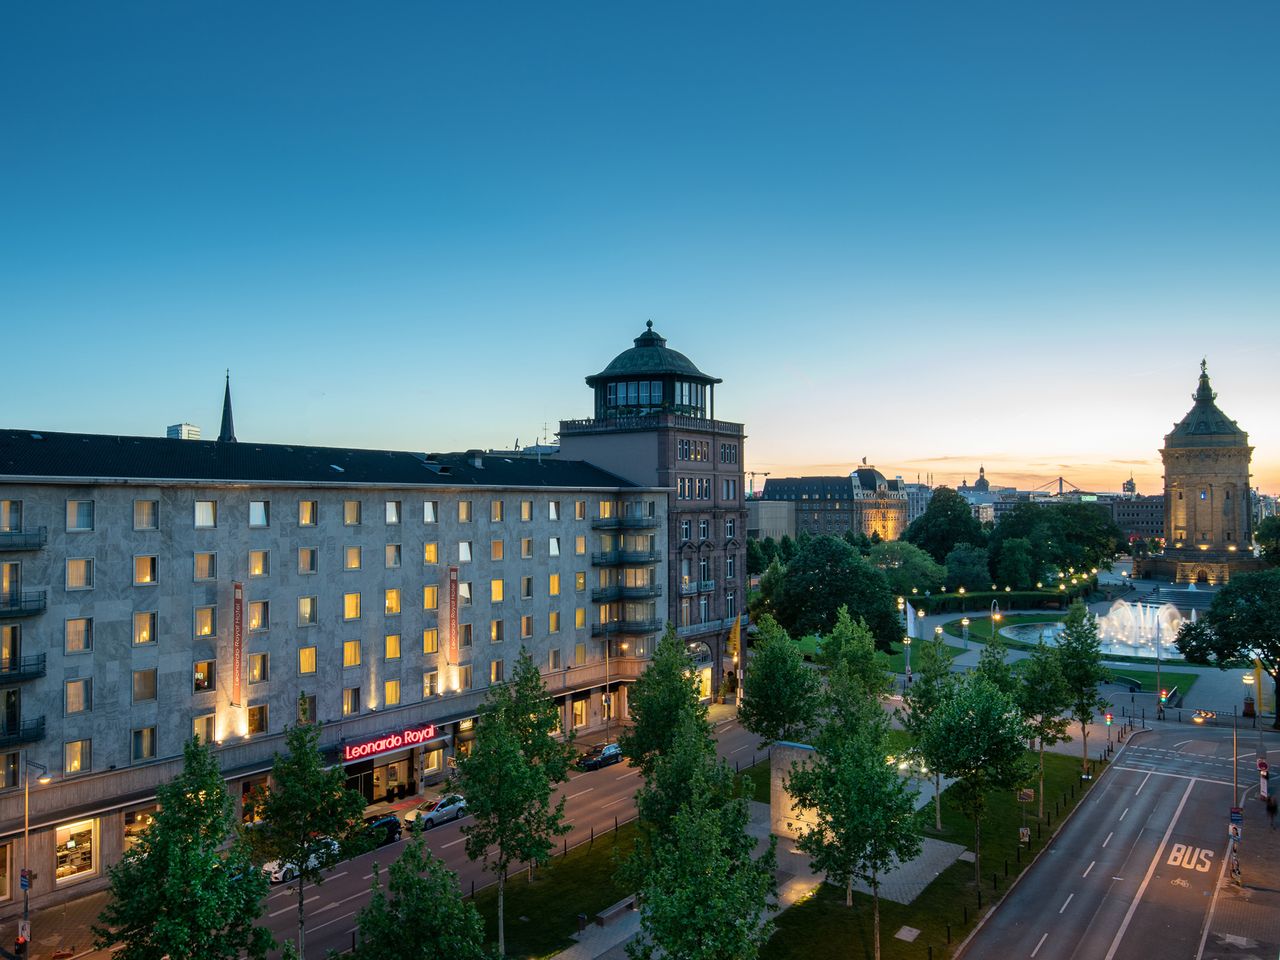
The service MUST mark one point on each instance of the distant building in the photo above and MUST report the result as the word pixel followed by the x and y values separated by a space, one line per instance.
pixel 864 502
pixel 1139 518
pixel 770 518
pixel 1130 487
pixel 182 431
pixel 918 497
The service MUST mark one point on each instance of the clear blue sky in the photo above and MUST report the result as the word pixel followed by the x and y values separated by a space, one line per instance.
pixel 930 234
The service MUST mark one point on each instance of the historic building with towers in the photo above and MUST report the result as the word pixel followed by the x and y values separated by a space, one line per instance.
pixel 1208 524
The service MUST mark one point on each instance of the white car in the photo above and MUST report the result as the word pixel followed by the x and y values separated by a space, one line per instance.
pixel 324 854
pixel 449 807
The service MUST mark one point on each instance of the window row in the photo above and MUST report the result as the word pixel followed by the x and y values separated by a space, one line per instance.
pixel 704 529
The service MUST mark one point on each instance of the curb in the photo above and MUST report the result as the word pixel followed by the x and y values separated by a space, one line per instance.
pixel 964 944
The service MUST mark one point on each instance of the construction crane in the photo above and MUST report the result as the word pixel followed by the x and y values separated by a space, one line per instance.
pixel 753 474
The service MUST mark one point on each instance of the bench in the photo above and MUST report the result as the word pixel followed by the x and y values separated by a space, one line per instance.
pixel 610 914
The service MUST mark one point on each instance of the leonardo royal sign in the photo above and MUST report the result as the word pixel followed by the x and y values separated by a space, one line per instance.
pixel 408 737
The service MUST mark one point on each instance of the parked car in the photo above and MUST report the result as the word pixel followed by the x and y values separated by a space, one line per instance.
pixel 437 810
pixel 382 829
pixel 325 853
pixel 601 755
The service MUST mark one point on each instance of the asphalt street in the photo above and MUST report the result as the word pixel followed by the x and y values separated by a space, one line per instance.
pixel 1135 871
pixel 594 800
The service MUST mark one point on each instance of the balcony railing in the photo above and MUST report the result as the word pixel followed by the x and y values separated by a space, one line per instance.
pixel 619 592
pixel 24 604
pixel 649 421
pixel 628 627
pixel 613 558
pixel 26 731
pixel 625 523
pixel 22 668
pixel 706 586
pixel 32 539
pixel 689 589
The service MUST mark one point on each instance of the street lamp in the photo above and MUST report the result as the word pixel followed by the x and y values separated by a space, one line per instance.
pixel 608 700
pixel 996 617
pixel 964 626
pixel 44 778
pixel 906 645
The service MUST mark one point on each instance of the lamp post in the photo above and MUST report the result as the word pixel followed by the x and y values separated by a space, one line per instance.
pixel 964 628
pixel 1159 699
pixel 906 645
pixel 995 618
pixel 26 836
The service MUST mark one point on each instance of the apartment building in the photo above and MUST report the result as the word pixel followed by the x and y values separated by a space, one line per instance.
pixel 154 589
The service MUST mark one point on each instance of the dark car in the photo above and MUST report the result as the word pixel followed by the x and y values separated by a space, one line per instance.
pixel 382 829
pixel 601 755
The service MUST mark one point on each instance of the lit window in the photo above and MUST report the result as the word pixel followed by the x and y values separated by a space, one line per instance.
pixel 306 660
pixel 430 640
pixel 553 585
pixel 259 668
pixel 579 513
pixel 580 617
pixel 496 631
pixel 204 728
pixel 76 844
pixel 206 566
pixel 496 671
pixel 144 685
pixel 78 635
pixel 351 606
pixel 259 513
pixel 580 580
pixel 144 748
pixel 259 615
pixel 259 563
pixel 391 601
pixel 146 514
pixel 391 647
pixel 392 556
pixel 308 511
pixel 431 684
pixel 495 511
pixel 526 510
pixel 206 621
pixel 350 701
pixel 393 512
pixel 553 622
pixel 579 545
pixel 496 549
pixel 257 719
pixel 145 570
pixel 526 548
pixel 77 758
pixel 526 627
pixel 431 597
pixel 206 514
pixel 391 693
pixel 204 676
pixel 351 558
pixel 496 589
pixel 80 574
pixel 430 553
pixel 79 695
pixel 579 713
pixel 351 653
pixel 579 654
pixel 308 611
pixel 79 516
pixel 464 511
pixel 351 513
pixel 144 627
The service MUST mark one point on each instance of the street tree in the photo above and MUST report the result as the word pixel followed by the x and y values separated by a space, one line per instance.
pixel 850 643
pixel 187 888
pixel 967 567
pixel 786 549
pixel 667 690
pixel 993 663
pixel 1243 623
pixel 305 811
pixel 930 687
pixel 1267 536
pixel 781 698
pixel 978 738
pixel 948 520
pixel 535 718
pixel 1014 565
pixel 756 561
pixel 906 566
pixel 1080 659
pixel 420 913
pixel 1044 698
pixel 864 812
pixel 825 575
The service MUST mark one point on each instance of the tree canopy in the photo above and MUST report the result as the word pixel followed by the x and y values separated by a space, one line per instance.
pixel 967 567
pixel 1080 660
pixel 666 691
pixel 1060 536
pixel 906 566
pixel 947 521
pixel 825 575
pixel 1268 537
pixel 780 700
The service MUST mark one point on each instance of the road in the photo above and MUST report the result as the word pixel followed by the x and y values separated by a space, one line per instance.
pixel 594 800
pixel 1136 870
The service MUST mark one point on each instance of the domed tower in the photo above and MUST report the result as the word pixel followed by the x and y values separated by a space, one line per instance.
pixel 1208 521
pixel 655 425
pixel 982 484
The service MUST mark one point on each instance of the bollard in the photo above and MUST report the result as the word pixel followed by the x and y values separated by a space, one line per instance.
pixel 582 922
pixel 930 951
pixel 593 835
pixel 353 941
pixel 566 846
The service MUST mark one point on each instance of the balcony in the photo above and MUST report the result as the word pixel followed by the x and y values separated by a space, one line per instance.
pixel 706 586
pixel 25 604
pixel 26 731
pixel 648 421
pixel 32 539
pixel 24 668
pixel 625 557
pixel 689 589
pixel 626 628
pixel 624 523
pixel 619 592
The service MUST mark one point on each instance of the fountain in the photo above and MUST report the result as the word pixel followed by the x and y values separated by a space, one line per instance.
pixel 1131 629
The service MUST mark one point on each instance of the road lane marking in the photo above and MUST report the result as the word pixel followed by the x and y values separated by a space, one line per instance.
pixel 739 749
pixel 350 913
pixel 630 773
pixel 613 802
pixel 1043 938
pixel 1181 742
pixel 294 906
pixel 1065 902
pixel 1087 869
pixel 1108 840
pixel 453 843
pixel 1142 784
pixel 1213 904
pixel 1157 859
pixel 579 793
pixel 1176 776
pixel 1126 810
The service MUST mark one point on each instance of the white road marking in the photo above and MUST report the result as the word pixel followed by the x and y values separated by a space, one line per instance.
pixel 1158 858
pixel 1087 869
pixel 1108 840
pixel 579 793
pixel 1065 902
pixel 294 906
pixel 1176 776
pixel 1213 904
pixel 612 802
pixel 739 749
pixel 1181 742
pixel 630 773
pixel 349 913
pixel 1126 810
pixel 1040 944
pixel 1142 784
pixel 453 843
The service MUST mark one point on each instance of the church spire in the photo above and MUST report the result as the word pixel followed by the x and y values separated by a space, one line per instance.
pixel 228 432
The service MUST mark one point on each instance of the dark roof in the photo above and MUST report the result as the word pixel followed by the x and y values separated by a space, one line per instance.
pixel 1205 425
pixel 870 479
pixel 651 357
pixel 812 488
pixel 38 453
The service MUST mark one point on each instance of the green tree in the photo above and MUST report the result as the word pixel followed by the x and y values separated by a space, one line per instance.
pixel 781 691
pixel 931 685
pixel 769 547
pixel 967 567
pixel 864 812
pixel 786 549
pixel 851 645
pixel 825 575
pixel 666 691
pixel 1243 623
pixel 1043 698
pixel 993 663
pixel 756 561
pixel 906 566
pixel 420 914
pixel 978 737
pixel 691 759
pixel 181 891
pixel 306 807
pixel 1080 659
pixel 508 780
pixel 947 521
pixel 1267 536
pixel 1015 564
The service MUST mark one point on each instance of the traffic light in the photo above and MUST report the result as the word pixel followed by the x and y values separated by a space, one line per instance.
pixel 20 947
pixel 1164 697
pixel 1108 719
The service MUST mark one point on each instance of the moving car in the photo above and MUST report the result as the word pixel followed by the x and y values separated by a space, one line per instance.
pixel 451 806
pixel 601 755
pixel 325 853
pixel 382 829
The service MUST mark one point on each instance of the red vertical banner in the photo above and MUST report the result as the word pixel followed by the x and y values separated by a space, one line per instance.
pixel 452 653
pixel 237 641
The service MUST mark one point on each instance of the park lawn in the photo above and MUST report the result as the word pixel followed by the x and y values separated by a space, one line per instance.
pixel 542 914
pixel 1147 679
pixel 980 626
pixel 823 927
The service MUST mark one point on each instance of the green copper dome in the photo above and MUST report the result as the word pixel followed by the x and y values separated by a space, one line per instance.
pixel 651 358
pixel 1205 425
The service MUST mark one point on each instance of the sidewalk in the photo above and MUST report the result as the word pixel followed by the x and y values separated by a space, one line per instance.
pixel 57 932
